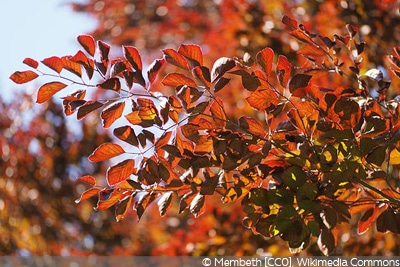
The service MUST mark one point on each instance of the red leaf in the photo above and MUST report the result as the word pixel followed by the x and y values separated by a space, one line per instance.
pixel 71 66
pixel 283 70
pixel 88 194
pixel 86 62
pixel 106 151
pixel 302 36
pixel 154 68
pixel 114 197
pixel 174 58
pixel 217 111
pixel 88 179
pixel 192 53
pixel 47 90
pixel 111 84
pixel 133 57
pixel 265 58
pixel 120 171
pixel 54 63
pixel 31 62
pixel 203 74
pixel 299 81
pixel 263 99
pixel 310 50
pixel 88 107
pixel 21 77
pixel 352 29
pixel 177 79
pixel 112 113
pixel 289 22
pixel 163 140
pixel 88 43
pixel 122 208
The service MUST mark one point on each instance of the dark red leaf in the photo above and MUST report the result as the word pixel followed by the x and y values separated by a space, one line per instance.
pixel 165 202
pixel 352 29
pixel 117 68
pixel 122 208
pixel 88 43
pixel 21 77
pixel 203 74
pixel 297 82
pixel 86 62
pixel 221 83
pixel 120 172
pixel 111 84
pixel 221 66
pixel 88 107
pixel 127 134
pixel 104 50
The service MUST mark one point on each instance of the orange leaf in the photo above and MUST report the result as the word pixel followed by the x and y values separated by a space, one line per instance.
pixel 174 58
pixel 71 66
pixel 21 77
pixel 54 63
pixel 217 111
pixel 106 151
pixel 147 113
pixel 265 59
pixel 134 118
pixel 110 201
pixel 120 171
pixel 127 134
pixel 88 179
pixel 263 99
pixel 154 68
pixel 31 62
pixel 302 36
pixel 311 50
pixel 289 22
pixel 47 90
pixel 88 194
pixel 88 43
pixel 252 125
pixel 86 62
pixel 163 140
pixel 112 113
pixel 193 53
pixel 133 56
pixel 177 79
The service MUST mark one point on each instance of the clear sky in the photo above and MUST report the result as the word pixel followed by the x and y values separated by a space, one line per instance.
pixel 36 29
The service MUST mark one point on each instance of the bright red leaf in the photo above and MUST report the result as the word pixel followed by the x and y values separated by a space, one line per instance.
pixel 21 77
pixel 106 151
pixel 88 43
pixel 263 99
pixel 132 55
pixel 31 62
pixel 192 53
pixel 174 58
pixel 47 90
pixel 120 172
pixel 177 79
pixel 54 63
pixel 265 58
pixel 112 113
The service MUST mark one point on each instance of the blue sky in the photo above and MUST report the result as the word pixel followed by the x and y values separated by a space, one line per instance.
pixel 36 29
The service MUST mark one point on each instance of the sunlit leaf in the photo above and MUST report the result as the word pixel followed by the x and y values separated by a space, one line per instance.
pixel 283 70
pixel 21 77
pixel 177 79
pixel 31 62
pixel 192 53
pixel 71 66
pixel 88 194
pixel 217 111
pixel 112 113
pixel 302 36
pixel 252 125
pixel 120 172
pixel 111 200
pixel 394 157
pixel 132 55
pixel 368 218
pixel 88 43
pixel 175 58
pixel 221 66
pixel 263 99
pixel 47 90
pixel 54 63
pixel 203 74
pixel 86 62
pixel 265 58
pixel 106 151
pixel 88 179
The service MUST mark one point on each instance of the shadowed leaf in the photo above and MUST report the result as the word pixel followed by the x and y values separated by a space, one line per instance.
pixel 112 113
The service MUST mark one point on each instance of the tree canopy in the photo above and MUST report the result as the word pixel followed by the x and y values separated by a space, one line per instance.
pixel 268 107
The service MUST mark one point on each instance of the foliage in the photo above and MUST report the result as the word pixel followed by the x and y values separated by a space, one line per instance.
pixel 313 155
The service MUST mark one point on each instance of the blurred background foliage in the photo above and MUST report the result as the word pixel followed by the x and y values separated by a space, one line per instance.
pixel 42 153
